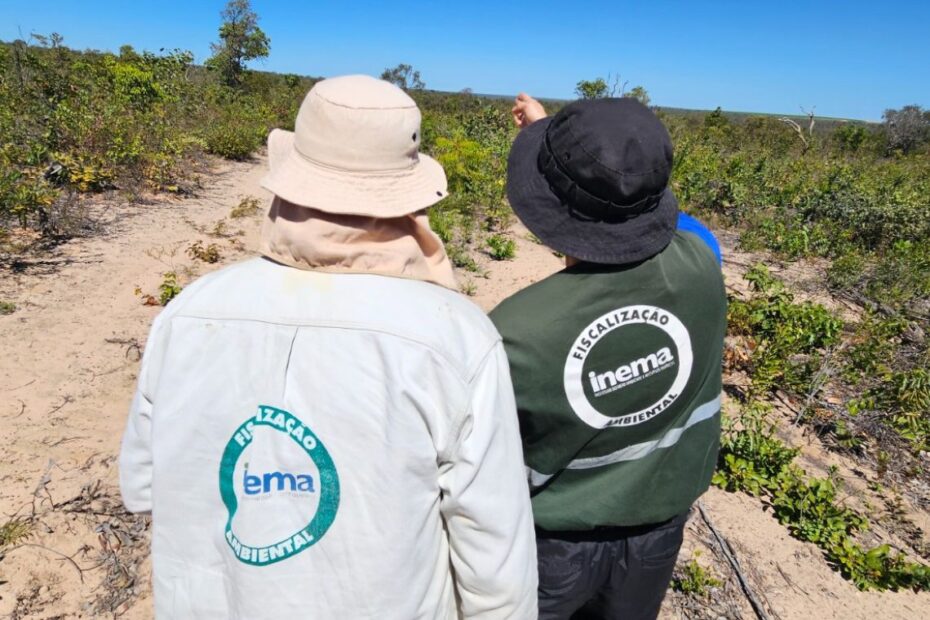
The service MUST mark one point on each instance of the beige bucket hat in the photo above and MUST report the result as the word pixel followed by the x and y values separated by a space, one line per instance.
pixel 354 151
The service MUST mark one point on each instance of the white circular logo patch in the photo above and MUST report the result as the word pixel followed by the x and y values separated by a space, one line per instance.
pixel 627 372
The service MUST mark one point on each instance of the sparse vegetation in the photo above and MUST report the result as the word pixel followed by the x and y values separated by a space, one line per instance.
pixel 169 288
pixel 208 254
pixel 501 247
pixel 471 139
pixel 7 307
pixel 785 346
pixel 854 195
pixel 221 230
pixel 14 531
pixel 695 579
pixel 754 460
pixel 783 341
pixel 84 122
pixel 247 207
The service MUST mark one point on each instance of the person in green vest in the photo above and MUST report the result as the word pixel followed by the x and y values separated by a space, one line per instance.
pixel 616 360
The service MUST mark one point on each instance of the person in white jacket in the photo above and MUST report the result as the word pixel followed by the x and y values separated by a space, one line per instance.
pixel 329 431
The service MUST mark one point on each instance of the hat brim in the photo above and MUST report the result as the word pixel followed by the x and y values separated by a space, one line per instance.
pixel 385 194
pixel 544 213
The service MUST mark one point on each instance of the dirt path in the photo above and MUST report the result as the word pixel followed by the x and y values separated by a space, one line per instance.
pixel 67 370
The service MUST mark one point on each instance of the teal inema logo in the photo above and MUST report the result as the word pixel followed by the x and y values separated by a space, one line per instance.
pixel 292 486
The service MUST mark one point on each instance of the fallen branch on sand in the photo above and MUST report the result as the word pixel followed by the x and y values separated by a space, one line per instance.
pixel 730 555
pixel 69 558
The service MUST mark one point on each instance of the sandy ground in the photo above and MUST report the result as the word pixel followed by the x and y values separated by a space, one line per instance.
pixel 67 370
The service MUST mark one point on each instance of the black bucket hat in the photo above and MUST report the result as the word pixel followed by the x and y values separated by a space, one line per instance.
pixel 592 181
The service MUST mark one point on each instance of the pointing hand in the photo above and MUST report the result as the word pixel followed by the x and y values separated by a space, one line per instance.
pixel 527 110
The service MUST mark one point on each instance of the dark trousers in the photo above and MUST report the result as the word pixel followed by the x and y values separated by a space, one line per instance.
pixel 607 573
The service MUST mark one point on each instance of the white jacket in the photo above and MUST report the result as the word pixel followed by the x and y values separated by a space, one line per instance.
pixel 329 446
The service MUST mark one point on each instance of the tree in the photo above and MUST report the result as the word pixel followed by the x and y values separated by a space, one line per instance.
pixel 403 76
pixel 639 93
pixel 600 88
pixel 241 40
pixel 850 137
pixel 592 89
pixel 716 119
pixel 127 52
pixel 806 141
pixel 906 129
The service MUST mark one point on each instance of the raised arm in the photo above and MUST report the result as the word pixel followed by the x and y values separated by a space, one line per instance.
pixel 527 110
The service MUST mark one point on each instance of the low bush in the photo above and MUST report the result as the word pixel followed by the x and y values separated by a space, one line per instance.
pixel 248 206
pixel 694 579
pixel 78 122
pixel 471 139
pixel 501 248
pixel 786 339
pixel 13 531
pixel 208 254
pixel 169 288
pixel 234 136
pixel 754 460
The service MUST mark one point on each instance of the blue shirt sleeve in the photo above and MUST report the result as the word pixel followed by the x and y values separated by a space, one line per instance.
pixel 689 224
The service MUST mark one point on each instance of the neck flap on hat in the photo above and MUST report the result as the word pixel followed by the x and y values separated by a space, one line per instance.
pixel 309 239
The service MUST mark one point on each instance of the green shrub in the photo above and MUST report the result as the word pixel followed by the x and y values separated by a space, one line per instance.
pixel 871 349
pixel 248 206
pixel 90 121
pixel 694 579
pixel 14 531
pixel 501 248
pixel 793 238
pixel 809 507
pixel 752 459
pixel 208 254
pixel 169 288
pixel 461 258
pixel 903 398
pixel 787 338
pixel 443 222
pixel 231 139
pixel 878 568
pixel 901 275
pixel 851 137
pixel 472 145
pixel 846 271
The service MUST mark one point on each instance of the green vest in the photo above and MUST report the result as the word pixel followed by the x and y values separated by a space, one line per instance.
pixel 617 374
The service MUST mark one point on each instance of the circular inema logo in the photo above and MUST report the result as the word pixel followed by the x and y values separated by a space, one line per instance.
pixel 628 366
pixel 312 489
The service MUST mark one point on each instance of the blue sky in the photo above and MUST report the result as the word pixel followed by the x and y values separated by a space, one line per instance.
pixel 850 59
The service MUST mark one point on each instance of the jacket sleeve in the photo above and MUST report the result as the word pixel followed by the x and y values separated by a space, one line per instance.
pixel 135 459
pixel 486 505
